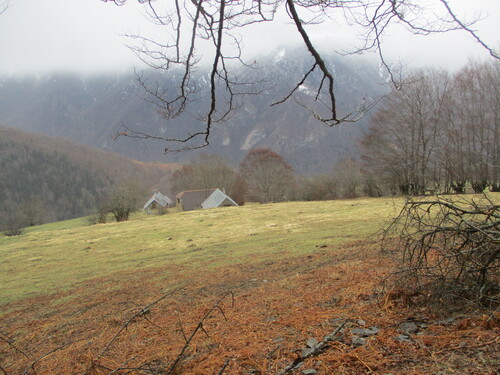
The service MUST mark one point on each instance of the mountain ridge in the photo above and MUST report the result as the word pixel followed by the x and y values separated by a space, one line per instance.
pixel 91 110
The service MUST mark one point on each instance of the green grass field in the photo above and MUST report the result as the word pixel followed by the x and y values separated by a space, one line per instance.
pixel 57 256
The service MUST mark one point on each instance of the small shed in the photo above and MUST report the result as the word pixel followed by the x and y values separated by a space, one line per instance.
pixel 218 199
pixel 158 200
pixel 192 199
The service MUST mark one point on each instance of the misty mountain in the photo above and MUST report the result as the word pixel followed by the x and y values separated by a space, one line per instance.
pixel 91 110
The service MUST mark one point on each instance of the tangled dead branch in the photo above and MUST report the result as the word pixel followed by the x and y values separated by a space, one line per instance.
pixel 450 250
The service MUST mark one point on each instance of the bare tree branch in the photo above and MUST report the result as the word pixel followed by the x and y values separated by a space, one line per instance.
pixel 466 27
pixel 193 22
pixel 318 61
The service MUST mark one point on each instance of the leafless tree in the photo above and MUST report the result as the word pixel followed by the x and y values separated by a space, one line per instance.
pixel 212 171
pixel 123 200
pixel 401 144
pixel 12 224
pixel 439 132
pixel 474 124
pixel 349 177
pixel 317 188
pixel 190 23
pixel 182 179
pixel 267 175
pixel 207 171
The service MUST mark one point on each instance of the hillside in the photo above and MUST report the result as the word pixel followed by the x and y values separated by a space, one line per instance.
pixel 92 109
pixel 55 179
pixel 259 284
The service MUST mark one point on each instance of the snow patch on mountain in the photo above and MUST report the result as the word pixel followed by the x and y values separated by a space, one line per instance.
pixel 254 137
pixel 279 56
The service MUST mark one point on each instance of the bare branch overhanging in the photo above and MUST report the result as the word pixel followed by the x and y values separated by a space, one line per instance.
pixel 191 22
pixel 4 5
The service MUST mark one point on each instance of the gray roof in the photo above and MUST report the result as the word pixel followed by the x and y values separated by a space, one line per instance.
pixel 218 199
pixel 160 199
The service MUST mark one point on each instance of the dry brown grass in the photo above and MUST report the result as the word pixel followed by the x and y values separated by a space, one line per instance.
pixel 278 305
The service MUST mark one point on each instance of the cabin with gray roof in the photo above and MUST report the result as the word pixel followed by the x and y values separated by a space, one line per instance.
pixel 192 199
pixel 218 199
pixel 157 201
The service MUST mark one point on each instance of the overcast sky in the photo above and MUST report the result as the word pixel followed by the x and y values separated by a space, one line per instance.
pixel 84 36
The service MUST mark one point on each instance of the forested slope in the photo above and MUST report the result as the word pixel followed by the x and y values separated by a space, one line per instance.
pixel 47 179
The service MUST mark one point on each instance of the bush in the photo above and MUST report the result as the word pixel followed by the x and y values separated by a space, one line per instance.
pixel 13 225
pixel 123 200
pixel 101 213
pixel 14 231
pixel 97 218
pixel 450 250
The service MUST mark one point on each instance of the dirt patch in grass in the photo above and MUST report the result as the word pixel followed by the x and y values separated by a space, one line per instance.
pixel 277 305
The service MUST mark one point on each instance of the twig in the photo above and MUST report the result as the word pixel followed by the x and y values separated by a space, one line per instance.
pixel 11 344
pixel 223 367
pixel 141 312
pixel 122 366
pixel 468 347
pixel 195 331
pixel 31 367
pixel 317 349
pixel 181 327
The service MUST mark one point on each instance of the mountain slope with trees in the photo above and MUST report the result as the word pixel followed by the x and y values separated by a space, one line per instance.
pixel 48 179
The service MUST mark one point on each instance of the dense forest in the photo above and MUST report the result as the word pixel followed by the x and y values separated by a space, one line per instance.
pixel 45 186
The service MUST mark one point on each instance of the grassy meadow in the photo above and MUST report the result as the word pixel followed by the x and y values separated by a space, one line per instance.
pixel 59 255
pixel 289 272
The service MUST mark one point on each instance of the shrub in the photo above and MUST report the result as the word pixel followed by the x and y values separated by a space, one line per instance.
pixel 14 231
pixel 101 213
pixel 13 223
pixel 123 200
